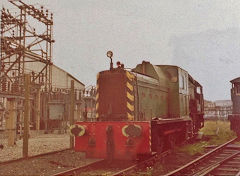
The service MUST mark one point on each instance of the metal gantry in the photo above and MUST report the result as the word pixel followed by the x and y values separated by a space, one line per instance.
pixel 26 38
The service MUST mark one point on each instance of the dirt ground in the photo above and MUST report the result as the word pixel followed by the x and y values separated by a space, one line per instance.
pixel 37 145
pixel 45 165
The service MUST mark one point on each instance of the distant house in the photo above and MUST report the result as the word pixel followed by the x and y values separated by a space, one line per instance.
pixel 219 109
pixel 209 109
pixel 223 103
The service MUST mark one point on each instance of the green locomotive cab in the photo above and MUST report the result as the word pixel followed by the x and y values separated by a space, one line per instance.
pixel 175 93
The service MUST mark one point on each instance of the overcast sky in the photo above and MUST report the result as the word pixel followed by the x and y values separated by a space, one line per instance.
pixel 203 37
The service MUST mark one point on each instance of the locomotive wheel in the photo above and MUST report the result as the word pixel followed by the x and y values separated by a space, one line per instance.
pixel 160 144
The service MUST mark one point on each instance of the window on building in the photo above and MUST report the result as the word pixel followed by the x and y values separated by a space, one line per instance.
pixel 237 87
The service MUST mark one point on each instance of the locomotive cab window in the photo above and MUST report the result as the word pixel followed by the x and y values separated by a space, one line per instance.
pixel 181 82
pixel 199 90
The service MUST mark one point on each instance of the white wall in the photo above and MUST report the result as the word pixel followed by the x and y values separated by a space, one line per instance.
pixel 60 78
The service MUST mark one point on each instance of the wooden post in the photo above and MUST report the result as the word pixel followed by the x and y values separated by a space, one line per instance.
pixel 11 121
pixel 45 109
pixel 37 109
pixel 21 123
pixel 26 114
pixel 72 103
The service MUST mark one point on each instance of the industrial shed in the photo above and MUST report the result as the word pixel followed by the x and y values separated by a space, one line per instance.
pixel 58 103
pixel 50 103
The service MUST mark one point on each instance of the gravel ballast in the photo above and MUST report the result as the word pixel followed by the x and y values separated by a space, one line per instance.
pixel 37 145
pixel 46 165
pixel 43 165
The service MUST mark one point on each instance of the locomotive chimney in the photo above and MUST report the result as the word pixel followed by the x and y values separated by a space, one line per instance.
pixel 144 67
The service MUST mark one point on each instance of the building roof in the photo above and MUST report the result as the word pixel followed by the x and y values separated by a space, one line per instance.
pixel 235 80
pixel 34 55
pixel 69 75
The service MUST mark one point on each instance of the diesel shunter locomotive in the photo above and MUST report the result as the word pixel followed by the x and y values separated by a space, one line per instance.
pixel 138 112
pixel 235 116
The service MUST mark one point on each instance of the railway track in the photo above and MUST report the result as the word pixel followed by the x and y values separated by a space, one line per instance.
pixel 142 164
pixel 115 168
pixel 221 161
pixel 96 168
pixel 45 164
pixel 34 156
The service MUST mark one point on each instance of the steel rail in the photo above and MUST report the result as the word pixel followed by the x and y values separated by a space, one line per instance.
pixel 153 158
pixel 78 169
pixel 196 161
pixel 32 157
pixel 238 174
pixel 215 165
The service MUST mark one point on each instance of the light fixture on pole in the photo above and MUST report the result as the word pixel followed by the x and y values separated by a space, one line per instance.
pixel 110 55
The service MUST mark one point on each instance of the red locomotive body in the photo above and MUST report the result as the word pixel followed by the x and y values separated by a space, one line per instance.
pixel 111 140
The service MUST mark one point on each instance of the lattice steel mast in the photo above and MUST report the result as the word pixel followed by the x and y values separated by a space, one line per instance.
pixel 26 37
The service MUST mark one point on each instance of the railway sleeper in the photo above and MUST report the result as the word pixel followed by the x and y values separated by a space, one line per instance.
pixel 220 157
pixel 224 172
pixel 229 151
pixel 236 159
pixel 227 169
pixel 233 162
pixel 230 165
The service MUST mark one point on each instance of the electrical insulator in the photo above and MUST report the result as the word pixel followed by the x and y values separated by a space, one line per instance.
pixel 15 87
pixel 4 85
pixel 8 86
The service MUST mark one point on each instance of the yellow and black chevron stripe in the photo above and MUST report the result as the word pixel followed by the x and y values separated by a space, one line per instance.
pixel 150 137
pixel 130 95
pixel 97 96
